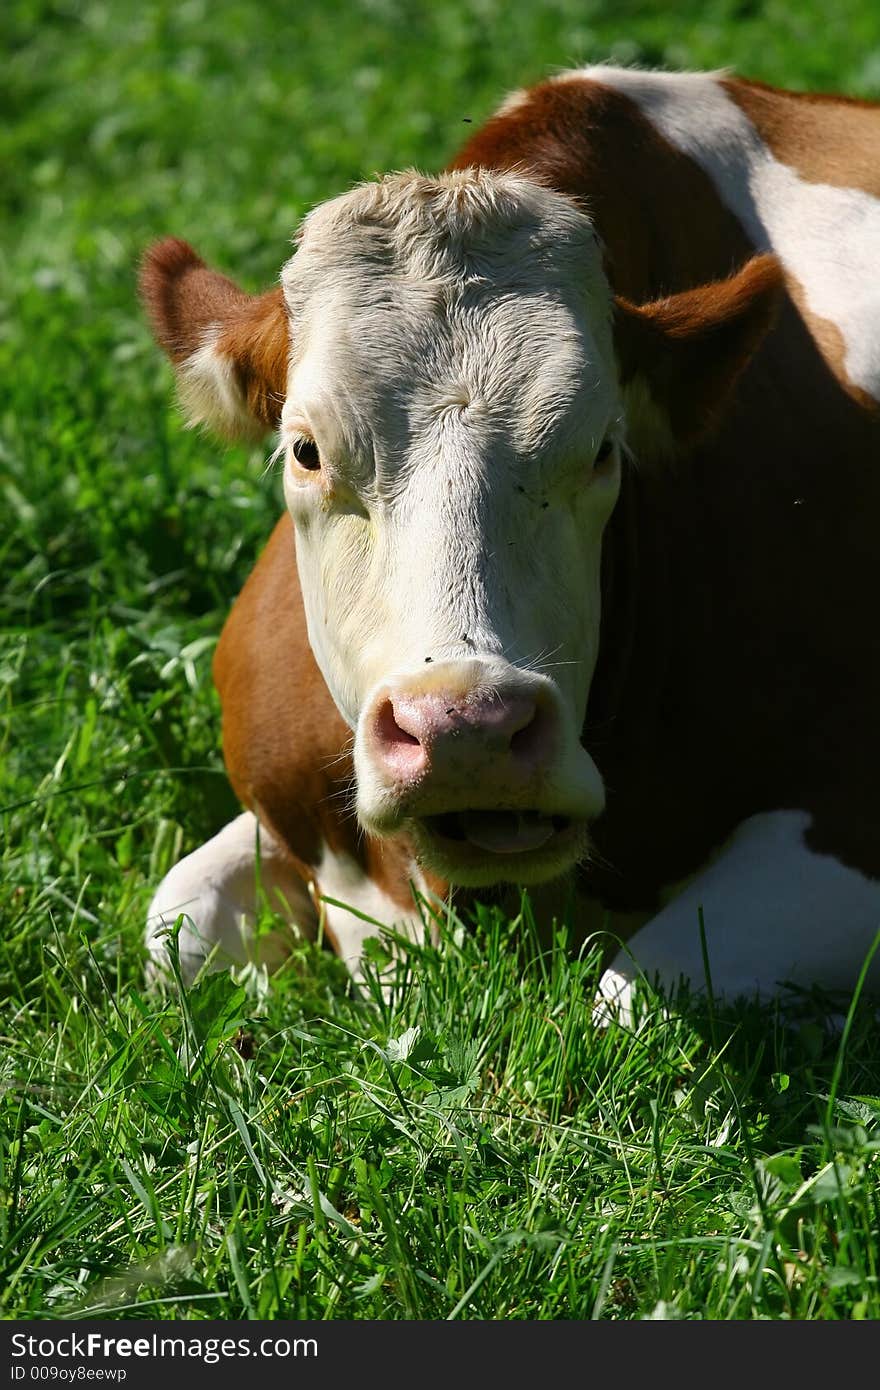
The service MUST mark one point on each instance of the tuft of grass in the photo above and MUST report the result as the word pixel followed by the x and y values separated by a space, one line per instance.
pixel 467 1143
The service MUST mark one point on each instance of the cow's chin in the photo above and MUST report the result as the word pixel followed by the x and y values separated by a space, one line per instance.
pixel 479 849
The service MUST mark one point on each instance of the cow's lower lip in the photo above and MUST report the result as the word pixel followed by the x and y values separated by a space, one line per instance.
pixel 498 831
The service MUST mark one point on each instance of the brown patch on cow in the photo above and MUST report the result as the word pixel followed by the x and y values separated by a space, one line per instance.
pixel 283 737
pixel 692 347
pixel 182 296
pixel 286 746
pixel 646 198
pixel 754 659
pixel 823 138
pixel 186 301
pixel 257 341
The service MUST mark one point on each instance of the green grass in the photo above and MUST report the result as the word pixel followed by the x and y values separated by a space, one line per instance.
pixel 254 1148
pixel 471 1146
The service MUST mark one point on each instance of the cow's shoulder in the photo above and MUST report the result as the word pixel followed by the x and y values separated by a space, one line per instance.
pixel 688 173
pixel 283 737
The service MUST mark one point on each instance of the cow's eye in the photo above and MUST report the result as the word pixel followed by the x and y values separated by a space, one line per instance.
pixel 606 448
pixel 305 451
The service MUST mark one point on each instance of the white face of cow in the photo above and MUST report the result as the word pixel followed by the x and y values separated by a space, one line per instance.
pixel 451 459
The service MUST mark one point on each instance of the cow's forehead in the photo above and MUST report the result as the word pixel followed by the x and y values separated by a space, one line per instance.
pixel 444 226
pixel 470 286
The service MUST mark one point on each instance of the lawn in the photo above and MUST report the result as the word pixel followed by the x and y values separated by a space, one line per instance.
pixel 469 1144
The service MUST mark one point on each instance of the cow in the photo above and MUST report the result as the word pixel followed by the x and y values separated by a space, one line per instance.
pixel 576 587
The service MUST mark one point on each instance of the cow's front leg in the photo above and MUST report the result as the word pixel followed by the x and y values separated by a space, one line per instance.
pixel 355 905
pixel 775 913
pixel 221 887
pixel 220 890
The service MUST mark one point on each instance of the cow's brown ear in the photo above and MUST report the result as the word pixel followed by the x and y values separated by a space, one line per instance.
pixel 229 349
pixel 680 357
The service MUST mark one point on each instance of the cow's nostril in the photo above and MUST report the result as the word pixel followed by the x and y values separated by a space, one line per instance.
pixel 521 740
pixel 443 736
pixel 389 731
pixel 531 740
pixel 400 752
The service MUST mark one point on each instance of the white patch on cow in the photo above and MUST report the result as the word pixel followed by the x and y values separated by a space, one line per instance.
pixel 220 891
pixel 209 391
pixel 341 878
pixel 827 237
pixel 453 360
pixel 775 913
pixel 512 102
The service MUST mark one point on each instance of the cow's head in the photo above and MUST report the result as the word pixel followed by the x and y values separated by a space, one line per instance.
pixel 449 373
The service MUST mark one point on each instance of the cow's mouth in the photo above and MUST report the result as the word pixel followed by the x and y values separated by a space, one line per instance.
pixel 497 832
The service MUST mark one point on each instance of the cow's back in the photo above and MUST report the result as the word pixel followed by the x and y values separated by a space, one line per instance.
pixel 686 174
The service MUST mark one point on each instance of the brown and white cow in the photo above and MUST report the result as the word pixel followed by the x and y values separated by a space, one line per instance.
pixel 578 582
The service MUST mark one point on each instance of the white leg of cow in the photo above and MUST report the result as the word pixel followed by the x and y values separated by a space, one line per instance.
pixel 340 878
pixel 220 889
pixel 775 913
